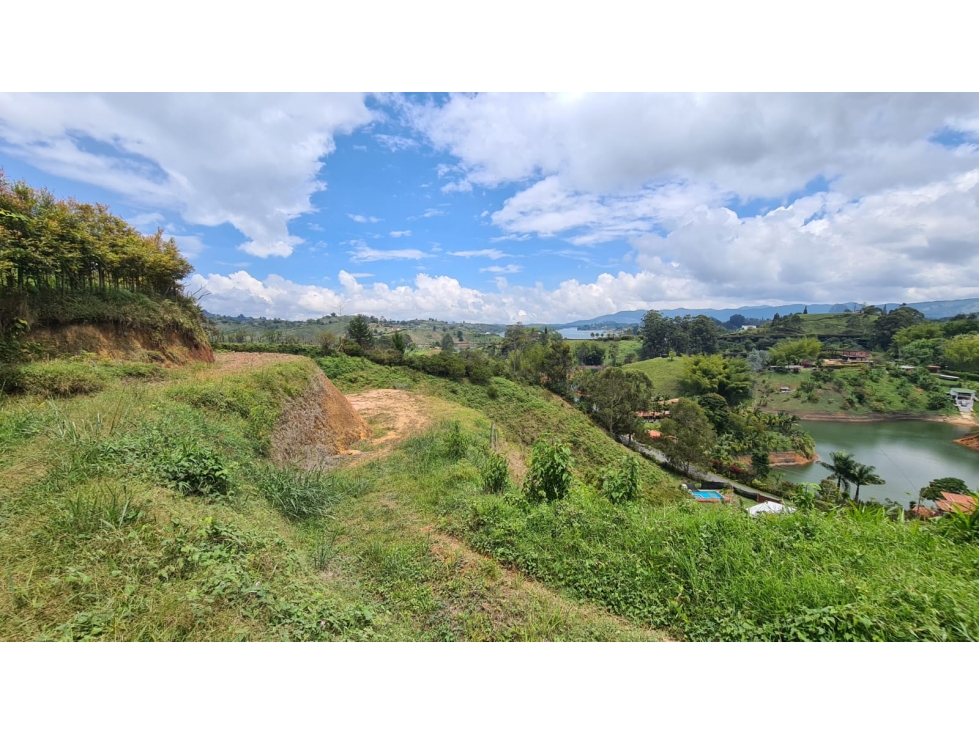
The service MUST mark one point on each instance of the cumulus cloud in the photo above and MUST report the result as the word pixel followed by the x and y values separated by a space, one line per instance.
pixel 246 160
pixel 905 244
pixel 362 253
pixel 434 296
pixel 401 233
pixel 765 145
pixel 491 254
pixel 361 219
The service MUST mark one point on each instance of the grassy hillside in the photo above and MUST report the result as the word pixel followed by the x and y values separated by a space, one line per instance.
pixel 523 414
pixel 150 511
pixel 664 374
pixel 851 391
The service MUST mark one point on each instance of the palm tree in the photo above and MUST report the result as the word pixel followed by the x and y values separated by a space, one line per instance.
pixel 842 468
pixel 863 475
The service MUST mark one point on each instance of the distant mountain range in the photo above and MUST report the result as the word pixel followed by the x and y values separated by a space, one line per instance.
pixel 931 309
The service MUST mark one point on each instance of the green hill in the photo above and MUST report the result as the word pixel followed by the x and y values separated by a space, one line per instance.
pixel 664 373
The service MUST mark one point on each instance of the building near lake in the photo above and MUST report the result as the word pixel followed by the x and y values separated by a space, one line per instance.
pixel 963 399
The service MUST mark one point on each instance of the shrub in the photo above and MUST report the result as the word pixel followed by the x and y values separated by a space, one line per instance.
pixel 621 483
pixel 494 474
pixel 195 470
pixel 456 442
pixel 492 393
pixel 550 476
pixel 59 379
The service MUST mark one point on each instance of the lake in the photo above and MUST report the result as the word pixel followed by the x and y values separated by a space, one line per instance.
pixel 573 333
pixel 907 454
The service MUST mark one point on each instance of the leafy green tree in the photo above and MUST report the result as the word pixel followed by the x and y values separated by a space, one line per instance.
pixel 359 331
pixel 448 345
pixel 717 411
pixel 613 354
pixel 923 351
pixel 689 435
pixel 795 351
pixel 614 396
pixel 935 488
pixel 590 353
pixel 862 475
pixel 715 374
pixel 885 327
pixel 402 342
pixel 760 463
pixel 556 365
pixel 962 352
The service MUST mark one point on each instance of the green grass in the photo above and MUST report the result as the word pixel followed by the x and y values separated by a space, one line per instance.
pixel 523 413
pixel 715 573
pixel 664 373
pixel 97 542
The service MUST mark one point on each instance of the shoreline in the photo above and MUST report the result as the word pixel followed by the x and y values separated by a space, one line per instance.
pixel 960 420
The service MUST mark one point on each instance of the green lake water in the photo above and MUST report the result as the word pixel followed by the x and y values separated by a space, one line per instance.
pixel 907 454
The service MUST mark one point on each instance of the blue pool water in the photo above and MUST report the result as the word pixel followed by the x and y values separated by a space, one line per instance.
pixel 707 495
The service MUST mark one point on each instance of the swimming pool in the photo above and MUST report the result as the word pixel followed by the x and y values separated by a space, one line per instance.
pixel 707 496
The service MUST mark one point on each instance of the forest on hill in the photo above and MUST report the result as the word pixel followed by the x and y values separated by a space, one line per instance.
pixel 65 262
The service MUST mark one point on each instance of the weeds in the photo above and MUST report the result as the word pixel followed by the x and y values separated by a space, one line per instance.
pixel 195 470
pixel 86 514
pixel 301 495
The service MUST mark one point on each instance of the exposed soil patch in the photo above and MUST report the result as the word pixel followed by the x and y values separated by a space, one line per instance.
pixel 971 442
pixel 239 361
pixel 119 342
pixel 394 414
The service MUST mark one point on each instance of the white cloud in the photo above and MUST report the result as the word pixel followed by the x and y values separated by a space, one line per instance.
pixel 511 268
pixel 433 213
pixel 190 245
pixel 401 233
pixel 314 226
pixel 364 254
pixel 247 160
pixel 905 244
pixel 395 143
pixel 491 254
pixel 361 219
pixel 457 187
pixel 750 144
pixel 433 296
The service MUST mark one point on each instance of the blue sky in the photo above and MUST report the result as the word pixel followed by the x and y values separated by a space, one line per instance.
pixel 526 207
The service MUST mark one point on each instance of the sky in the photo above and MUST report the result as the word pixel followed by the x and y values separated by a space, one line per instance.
pixel 525 207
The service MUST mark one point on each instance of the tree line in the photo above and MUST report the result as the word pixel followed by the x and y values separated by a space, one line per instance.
pixel 64 246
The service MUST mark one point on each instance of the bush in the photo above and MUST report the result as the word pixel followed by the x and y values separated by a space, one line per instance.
pixel 550 476
pixel 195 470
pixel 494 474
pixel 456 442
pixel 621 483
pixel 59 379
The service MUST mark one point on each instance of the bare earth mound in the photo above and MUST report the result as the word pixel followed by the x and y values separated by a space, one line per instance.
pixel 317 428
pixel 115 342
